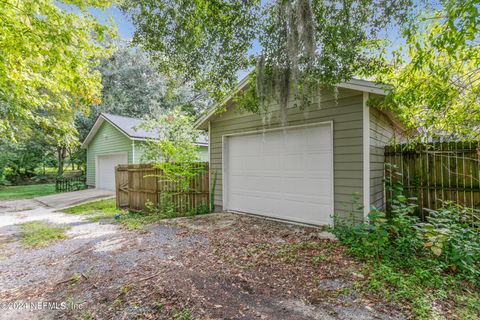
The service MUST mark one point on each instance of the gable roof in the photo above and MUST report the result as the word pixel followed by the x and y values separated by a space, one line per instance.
pixel 129 126
pixel 354 84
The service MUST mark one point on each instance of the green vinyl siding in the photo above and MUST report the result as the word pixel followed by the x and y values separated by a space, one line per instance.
pixel 203 153
pixel 107 140
pixel 345 110
pixel 382 133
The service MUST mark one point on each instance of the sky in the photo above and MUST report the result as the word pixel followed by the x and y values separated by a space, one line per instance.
pixel 124 25
pixel 126 30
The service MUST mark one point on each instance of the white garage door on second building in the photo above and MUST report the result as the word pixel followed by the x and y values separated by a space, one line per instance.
pixel 105 170
pixel 285 174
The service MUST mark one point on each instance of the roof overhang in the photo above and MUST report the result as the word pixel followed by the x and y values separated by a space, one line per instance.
pixel 354 84
pixel 101 119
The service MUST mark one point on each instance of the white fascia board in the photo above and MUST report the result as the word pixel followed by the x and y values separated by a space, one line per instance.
pixel 354 84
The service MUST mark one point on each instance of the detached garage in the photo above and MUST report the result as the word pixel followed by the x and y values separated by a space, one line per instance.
pixel 117 140
pixel 307 167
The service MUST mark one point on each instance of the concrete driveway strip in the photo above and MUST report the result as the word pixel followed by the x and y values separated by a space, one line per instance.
pixel 68 199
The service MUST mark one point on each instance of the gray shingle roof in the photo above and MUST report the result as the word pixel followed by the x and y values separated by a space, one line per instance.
pixel 130 126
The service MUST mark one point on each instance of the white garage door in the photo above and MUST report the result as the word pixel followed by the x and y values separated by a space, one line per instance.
pixel 105 178
pixel 285 174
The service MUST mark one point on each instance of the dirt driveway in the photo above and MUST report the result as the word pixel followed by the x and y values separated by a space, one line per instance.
pixel 218 266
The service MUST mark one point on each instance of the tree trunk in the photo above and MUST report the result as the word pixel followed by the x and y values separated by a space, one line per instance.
pixel 62 154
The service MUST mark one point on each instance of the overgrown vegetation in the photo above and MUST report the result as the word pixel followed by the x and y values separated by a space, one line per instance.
pixel 175 152
pixel 36 234
pixel 132 220
pixel 26 192
pixel 428 264
pixel 106 206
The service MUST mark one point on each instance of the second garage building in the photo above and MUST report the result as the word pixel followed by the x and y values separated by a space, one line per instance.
pixel 115 140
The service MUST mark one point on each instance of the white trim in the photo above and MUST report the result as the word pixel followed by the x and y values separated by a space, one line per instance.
pixel 225 153
pixel 133 151
pixel 106 154
pixel 365 86
pixel 101 118
pixel 366 156
pixel 224 177
pixel 353 84
pixel 209 150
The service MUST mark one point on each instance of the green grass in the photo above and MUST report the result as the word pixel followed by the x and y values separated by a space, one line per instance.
pixel 422 289
pixel 106 209
pixel 26 192
pixel 36 234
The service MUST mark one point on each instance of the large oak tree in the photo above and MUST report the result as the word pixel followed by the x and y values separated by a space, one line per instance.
pixel 48 51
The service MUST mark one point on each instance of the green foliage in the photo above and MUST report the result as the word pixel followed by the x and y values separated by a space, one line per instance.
pixel 77 185
pixel 26 192
pixel 165 206
pixel 19 160
pixel 167 209
pixel 407 260
pixel 207 43
pixel 107 206
pixel 47 59
pixel 184 314
pixel 35 234
pixel 435 77
pixel 452 233
pixel 304 42
pixel 175 153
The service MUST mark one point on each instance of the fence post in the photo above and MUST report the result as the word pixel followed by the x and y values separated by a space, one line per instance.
pixel 435 172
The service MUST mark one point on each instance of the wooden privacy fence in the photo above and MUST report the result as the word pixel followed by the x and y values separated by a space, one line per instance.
pixel 138 183
pixel 437 171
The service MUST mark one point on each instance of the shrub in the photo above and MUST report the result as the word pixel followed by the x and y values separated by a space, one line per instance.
pixel 383 237
pixel 425 264
pixel 166 208
pixel 448 242
pixel 452 236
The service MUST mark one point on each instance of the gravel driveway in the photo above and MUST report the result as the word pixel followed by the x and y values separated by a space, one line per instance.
pixel 218 266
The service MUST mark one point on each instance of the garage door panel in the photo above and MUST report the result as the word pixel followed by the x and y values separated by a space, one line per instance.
pixel 284 174
pixel 105 177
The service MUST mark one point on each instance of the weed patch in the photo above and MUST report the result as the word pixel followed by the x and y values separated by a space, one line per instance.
pixel 36 234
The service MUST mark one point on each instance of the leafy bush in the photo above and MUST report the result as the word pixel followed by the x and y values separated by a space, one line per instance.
pixel 422 263
pixel 452 234
pixel 166 208
pixel 77 185
pixel 392 237
pixel 448 242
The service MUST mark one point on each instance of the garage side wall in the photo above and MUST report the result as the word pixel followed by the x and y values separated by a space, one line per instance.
pixel 345 110
pixel 382 133
pixel 107 140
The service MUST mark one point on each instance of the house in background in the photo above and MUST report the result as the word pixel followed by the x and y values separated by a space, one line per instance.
pixel 117 140
pixel 308 167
